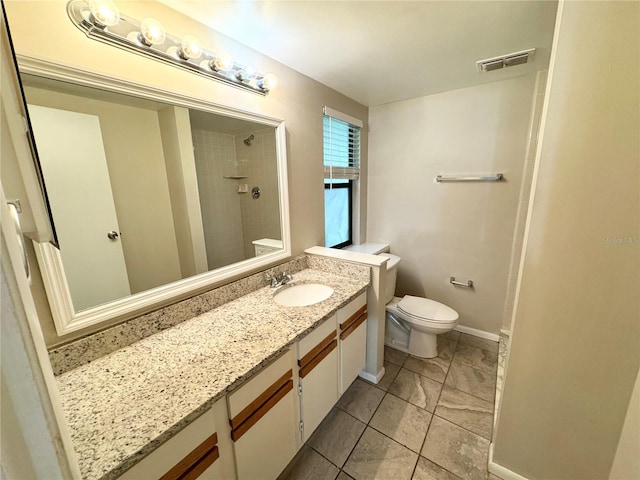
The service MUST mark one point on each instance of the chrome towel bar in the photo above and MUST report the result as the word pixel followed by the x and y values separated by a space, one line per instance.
pixel 469 284
pixel 469 178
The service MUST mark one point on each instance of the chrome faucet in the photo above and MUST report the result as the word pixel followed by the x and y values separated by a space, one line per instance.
pixel 278 280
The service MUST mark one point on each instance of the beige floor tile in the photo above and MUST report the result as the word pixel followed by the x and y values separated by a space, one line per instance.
pixel 336 436
pixel 416 389
pixel 466 411
pixel 427 470
pixel 456 449
pixel 476 358
pixel 378 457
pixel 394 356
pixel 483 343
pixel 309 464
pixel 390 372
pixel 361 400
pixel 493 477
pixel 434 368
pixel 452 335
pixel 471 380
pixel 343 476
pixel 402 421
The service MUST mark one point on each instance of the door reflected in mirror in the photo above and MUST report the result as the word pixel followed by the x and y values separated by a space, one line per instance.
pixel 145 193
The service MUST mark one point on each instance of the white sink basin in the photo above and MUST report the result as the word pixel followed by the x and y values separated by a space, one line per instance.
pixel 303 295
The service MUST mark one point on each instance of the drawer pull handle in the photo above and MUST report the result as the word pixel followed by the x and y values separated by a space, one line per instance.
pixel 263 398
pixel 200 467
pixel 196 462
pixel 353 318
pixel 316 350
pixel 315 361
pixel 353 326
pixel 244 427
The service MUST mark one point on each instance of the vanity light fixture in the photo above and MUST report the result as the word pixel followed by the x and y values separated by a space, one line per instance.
pixel 102 21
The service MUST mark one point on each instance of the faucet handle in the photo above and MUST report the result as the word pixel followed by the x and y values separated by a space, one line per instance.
pixel 271 279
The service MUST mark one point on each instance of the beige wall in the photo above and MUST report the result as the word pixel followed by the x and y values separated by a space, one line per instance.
pixel 626 463
pixel 298 100
pixel 136 166
pixel 451 229
pixel 183 189
pixel 575 349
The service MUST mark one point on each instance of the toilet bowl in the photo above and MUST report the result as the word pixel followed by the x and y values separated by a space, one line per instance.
pixel 413 323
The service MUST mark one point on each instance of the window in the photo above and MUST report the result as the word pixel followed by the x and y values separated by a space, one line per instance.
pixel 341 135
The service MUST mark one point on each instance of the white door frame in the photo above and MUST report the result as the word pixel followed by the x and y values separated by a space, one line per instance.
pixel 27 375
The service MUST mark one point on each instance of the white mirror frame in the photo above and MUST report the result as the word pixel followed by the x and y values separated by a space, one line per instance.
pixel 65 317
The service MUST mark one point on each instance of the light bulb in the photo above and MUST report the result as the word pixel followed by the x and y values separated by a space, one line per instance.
pixel 191 47
pixel 151 32
pixel 223 61
pixel 268 82
pixel 243 75
pixel 104 12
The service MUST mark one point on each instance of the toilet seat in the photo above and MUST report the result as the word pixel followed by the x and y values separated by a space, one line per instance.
pixel 426 311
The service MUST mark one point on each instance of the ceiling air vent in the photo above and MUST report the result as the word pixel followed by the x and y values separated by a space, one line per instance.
pixel 509 60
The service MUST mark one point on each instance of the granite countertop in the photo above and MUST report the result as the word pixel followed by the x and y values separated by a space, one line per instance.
pixel 122 406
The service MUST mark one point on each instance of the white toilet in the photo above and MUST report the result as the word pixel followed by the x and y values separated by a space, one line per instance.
pixel 413 323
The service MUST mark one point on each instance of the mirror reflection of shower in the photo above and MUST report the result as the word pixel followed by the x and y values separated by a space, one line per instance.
pixel 247 141
pixel 227 170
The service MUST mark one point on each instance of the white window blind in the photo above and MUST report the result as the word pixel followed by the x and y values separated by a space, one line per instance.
pixel 341 146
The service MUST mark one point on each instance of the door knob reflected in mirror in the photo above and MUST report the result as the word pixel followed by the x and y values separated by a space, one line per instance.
pixel 112 235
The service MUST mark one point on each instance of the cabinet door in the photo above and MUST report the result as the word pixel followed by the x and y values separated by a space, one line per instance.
pixel 188 455
pixel 318 362
pixel 264 421
pixel 353 340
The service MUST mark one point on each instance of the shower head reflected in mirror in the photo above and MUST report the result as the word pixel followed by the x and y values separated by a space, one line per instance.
pixel 247 141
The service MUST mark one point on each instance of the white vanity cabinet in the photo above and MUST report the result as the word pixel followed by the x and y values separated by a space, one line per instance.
pixel 194 452
pixel 318 375
pixel 253 433
pixel 353 340
pixel 264 421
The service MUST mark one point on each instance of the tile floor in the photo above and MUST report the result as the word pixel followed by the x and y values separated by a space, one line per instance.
pixel 426 420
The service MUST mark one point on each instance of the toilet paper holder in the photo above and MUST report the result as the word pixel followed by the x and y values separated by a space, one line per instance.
pixel 468 284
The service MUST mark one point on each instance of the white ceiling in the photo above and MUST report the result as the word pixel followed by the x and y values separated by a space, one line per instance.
pixel 378 52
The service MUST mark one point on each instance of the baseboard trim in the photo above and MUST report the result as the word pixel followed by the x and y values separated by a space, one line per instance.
pixel 500 471
pixel 478 333
pixel 370 377
pixel 504 331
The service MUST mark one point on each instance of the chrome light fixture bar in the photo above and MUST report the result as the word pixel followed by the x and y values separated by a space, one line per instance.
pixel 100 20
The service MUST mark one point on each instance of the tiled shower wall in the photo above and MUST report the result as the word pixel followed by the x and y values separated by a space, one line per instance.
pixel 261 216
pixel 232 220
pixel 221 212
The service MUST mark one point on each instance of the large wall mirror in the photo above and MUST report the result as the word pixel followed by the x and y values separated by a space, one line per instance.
pixel 153 195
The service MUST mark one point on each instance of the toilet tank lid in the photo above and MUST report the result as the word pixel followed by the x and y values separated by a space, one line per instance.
pixel 429 309
pixel 393 261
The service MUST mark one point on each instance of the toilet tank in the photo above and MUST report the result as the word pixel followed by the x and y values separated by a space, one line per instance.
pixel 392 275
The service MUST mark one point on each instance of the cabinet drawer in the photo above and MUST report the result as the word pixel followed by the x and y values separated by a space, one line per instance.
pixel 187 455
